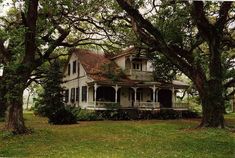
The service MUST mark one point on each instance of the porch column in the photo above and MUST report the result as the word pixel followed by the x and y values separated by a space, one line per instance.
pixel 116 92
pixel 131 64
pixel 173 97
pixel 154 96
pixel 135 90
pixel 156 99
pixel 95 89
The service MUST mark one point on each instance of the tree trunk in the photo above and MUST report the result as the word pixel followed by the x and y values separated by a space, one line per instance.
pixel 2 99
pixel 212 106
pixel 16 83
pixel 14 117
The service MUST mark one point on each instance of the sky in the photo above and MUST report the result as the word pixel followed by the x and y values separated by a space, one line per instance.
pixel 4 7
pixel 1 71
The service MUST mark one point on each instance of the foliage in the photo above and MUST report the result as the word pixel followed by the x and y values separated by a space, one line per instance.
pixel 112 105
pixel 133 139
pixel 228 106
pixel 88 115
pixel 62 116
pixel 51 99
pixel 160 63
pixel 113 72
pixel 2 109
pixel 132 114
pixel 196 38
pixel 31 31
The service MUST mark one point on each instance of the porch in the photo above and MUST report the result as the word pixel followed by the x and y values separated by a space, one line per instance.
pixel 146 97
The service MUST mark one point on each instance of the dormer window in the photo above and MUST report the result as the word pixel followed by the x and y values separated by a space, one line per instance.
pixel 69 68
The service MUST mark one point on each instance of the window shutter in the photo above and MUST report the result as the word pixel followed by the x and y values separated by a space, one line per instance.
pixel 84 93
pixel 69 67
pixel 77 94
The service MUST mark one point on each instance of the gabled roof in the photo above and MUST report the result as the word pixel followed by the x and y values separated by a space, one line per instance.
pixel 98 67
pixel 96 64
pixel 91 61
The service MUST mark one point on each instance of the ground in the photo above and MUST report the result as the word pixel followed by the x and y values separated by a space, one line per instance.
pixel 120 139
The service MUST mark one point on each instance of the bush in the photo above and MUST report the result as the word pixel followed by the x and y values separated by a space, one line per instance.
pixel 2 109
pixel 112 106
pixel 2 113
pixel 88 115
pixel 41 109
pixel 62 116
pixel 2 119
pixel 133 114
pixel 190 114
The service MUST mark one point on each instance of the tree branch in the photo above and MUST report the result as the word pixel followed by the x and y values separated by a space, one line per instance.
pixel 30 41
pixel 203 25
pixel 223 15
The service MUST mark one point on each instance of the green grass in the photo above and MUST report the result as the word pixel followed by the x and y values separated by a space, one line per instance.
pixel 120 139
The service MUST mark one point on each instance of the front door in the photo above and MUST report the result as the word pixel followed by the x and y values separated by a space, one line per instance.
pixel 165 98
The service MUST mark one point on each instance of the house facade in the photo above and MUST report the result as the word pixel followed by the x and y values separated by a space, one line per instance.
pixel 94 81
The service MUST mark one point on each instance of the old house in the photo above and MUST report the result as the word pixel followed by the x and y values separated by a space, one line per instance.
pixel 94 81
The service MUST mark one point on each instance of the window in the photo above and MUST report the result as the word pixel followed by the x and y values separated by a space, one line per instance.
pixel 74 67
pixel 84 93
pixel 77 94
pixel 69 67
pixel 72 97
pixel 137 66
pixel 66 96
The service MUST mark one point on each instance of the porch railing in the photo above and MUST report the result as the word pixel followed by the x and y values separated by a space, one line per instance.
pixel 113 105
pixel 102 104
pixel 181 105
pixel 147 104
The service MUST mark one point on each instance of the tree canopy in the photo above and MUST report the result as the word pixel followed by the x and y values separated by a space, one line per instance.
pixel 194 37
pixel 198 38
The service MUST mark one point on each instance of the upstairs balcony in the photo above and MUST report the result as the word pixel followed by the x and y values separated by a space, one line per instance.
pixel 139 75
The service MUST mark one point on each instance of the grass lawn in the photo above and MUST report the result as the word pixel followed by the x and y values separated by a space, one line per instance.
pixel 119 139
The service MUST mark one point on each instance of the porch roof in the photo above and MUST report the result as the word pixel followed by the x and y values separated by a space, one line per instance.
pixel 176 84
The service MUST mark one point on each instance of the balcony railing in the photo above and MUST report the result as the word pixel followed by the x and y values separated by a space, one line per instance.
pixel 139 75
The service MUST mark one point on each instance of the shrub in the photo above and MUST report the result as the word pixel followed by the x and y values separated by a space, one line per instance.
pixel 2 109
pixel 1 119
pixel 112 106
pixel 62 116
pixel 133 114
pixel 88 115
pixel 166 114
pixel 190 114
pixel 2 113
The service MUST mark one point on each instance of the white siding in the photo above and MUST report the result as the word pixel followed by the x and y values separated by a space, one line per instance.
pixel 121 62
pixel 75 80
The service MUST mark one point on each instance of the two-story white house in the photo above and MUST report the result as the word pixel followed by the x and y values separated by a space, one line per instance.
pixel 93 81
